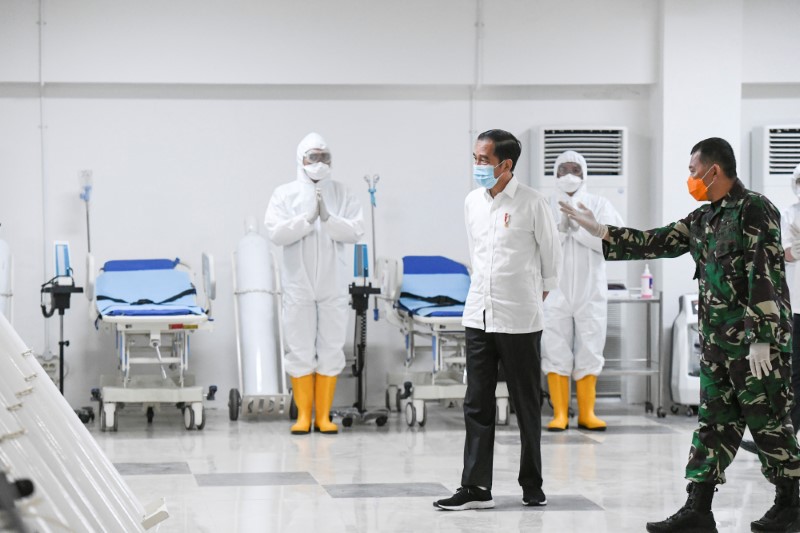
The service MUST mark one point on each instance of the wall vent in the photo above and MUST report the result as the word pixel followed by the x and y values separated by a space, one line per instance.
pixel 774 154
pixel 604 149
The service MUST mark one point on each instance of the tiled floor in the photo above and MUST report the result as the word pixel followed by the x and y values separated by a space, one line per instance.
pixel 253 476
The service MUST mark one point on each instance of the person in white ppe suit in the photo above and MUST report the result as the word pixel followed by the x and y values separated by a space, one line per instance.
pixel 575 313
pixel 313 218
pixel 790 237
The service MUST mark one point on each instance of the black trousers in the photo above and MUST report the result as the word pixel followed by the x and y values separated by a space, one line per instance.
pixel 522 362
pixel 795 412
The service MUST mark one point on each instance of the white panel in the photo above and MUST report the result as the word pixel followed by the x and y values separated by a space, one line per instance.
pixel 771 41
pixel 21 210
pixel 19 40
pixel 685 117
pixel 251 41
pixel 570 42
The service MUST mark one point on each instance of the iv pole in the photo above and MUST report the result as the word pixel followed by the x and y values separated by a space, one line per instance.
pixel 372 181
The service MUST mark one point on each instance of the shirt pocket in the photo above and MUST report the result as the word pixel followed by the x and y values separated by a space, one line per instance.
pixel 730 279
pixel 729 255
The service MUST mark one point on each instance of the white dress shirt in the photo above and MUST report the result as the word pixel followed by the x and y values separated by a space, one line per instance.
pixel 515 255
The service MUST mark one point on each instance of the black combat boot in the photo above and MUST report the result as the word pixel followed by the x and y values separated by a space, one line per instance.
pixel 694 517
pixel 785 514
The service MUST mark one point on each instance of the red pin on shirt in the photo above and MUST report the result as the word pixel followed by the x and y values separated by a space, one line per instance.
pixel 506 219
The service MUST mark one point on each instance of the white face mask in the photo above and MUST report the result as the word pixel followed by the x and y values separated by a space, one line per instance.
pixel 569 183
pixel 317 171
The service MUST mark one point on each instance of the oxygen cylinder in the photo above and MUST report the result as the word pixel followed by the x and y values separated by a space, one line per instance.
pixel 256 301
pixel 5 280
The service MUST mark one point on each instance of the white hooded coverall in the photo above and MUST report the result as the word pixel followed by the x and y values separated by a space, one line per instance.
pixel 315 267
pixel 790 232
pixel 576 313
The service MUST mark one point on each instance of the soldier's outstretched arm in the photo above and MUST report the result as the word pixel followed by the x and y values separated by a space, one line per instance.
pixel 672 240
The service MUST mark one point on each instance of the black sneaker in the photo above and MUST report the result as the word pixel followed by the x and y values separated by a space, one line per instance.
pixel 467 498
pixel 533 497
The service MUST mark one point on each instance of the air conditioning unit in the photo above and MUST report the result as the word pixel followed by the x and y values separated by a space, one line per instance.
pixel 774 154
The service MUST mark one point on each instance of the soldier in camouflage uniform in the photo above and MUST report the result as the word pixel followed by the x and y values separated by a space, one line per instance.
pixel 745 329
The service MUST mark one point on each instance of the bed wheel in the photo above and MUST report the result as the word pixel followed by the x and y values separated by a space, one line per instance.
pixel 108 419
pixel 422 413
pixel 411 414
pixel 234 403
pixel 188 418
pixel 199 416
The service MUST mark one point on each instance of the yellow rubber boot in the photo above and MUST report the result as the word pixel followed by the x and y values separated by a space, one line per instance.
pixel 586 395
pixel 559 397
pixel 325 389
pixel 303 392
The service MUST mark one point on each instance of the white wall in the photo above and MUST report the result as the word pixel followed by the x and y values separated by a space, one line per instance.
pixel 189 114
pixel 771 42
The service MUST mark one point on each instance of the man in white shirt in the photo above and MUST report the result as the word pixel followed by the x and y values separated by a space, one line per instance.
pixel 515 255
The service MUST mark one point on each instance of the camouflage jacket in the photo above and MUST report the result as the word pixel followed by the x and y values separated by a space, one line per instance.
pixel 739 266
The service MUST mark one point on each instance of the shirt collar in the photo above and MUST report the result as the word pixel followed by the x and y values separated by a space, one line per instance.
pixel 736 193
pixel 510 189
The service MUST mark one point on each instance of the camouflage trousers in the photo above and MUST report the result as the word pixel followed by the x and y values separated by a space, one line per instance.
pixel 732 398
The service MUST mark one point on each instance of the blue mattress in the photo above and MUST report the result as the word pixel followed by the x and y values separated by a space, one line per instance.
pixel 125 292
pixel 433 277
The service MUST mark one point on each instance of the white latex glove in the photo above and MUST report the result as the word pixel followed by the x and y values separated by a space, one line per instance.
pixel 314 213
pixel 585 218
pixel 760 364
pixel 324 215
pixel 573 226
pixel 796 249
pixel 795 230
pixel 564 223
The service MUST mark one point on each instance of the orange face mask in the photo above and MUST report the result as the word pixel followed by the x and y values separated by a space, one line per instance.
pixel 697 188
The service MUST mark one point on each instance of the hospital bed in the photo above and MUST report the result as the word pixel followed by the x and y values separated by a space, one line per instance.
pixel 424 298
pixel 152 307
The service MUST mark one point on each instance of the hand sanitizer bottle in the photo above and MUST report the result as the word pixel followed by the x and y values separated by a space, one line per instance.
pixel 647 282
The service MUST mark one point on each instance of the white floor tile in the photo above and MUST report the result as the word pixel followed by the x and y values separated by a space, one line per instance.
pixel 632 473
